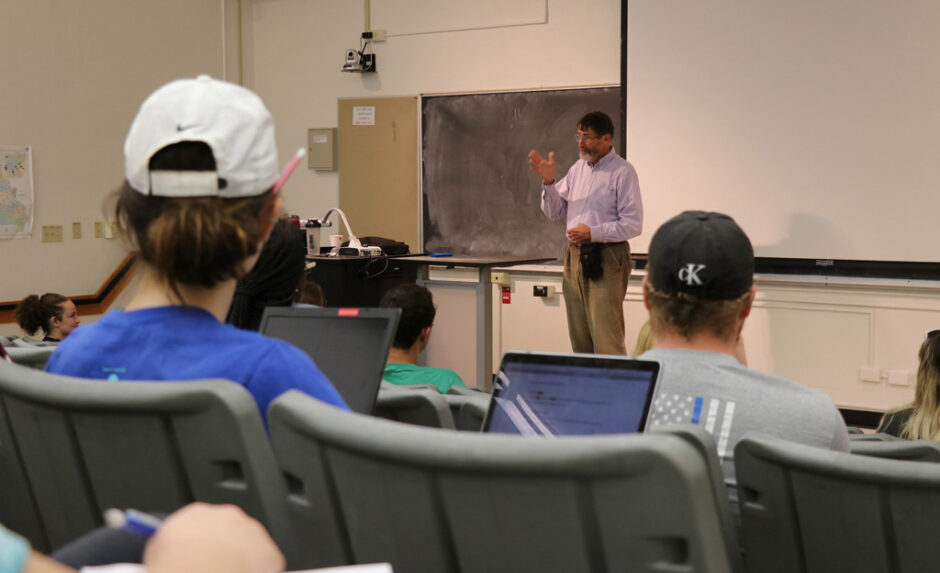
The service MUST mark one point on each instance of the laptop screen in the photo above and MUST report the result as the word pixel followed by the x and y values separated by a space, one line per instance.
pixel 547 394
pixel 349 345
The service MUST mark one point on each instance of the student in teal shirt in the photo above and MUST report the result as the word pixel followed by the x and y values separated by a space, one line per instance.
pixel 412 336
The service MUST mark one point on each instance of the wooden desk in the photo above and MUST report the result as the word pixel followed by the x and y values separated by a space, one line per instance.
pixel 484 297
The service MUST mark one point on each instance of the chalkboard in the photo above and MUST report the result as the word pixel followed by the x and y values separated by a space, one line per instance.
pixel 479 196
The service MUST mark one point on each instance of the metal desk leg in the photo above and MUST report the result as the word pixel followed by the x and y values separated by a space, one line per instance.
pixel 485 330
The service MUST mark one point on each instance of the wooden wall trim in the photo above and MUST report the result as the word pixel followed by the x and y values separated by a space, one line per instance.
pixel 90 304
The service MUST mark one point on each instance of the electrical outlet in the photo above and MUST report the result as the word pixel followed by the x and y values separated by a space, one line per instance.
pixel 869 374
pixel 77 230
pixel 99 229
pixel 902 378
pixel 544 291
pixel 52 233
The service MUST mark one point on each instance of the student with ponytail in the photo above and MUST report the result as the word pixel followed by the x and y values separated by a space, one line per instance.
pixel 52 313
pixel 197 206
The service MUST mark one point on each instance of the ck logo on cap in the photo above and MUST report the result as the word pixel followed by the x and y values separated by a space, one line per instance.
pixel 689 274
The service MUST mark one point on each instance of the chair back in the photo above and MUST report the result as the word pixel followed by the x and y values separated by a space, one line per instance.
pixel 31 357
pixel 704 444
pixel 806 509
pixel 469 410
pixel 70 448
pixel 28 352
pixel 913 450
pixel 422 407
pixel 364 489
pixel 875 437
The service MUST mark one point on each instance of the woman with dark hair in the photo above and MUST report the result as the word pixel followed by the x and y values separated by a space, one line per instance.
pixel 52 313
pixel 197 205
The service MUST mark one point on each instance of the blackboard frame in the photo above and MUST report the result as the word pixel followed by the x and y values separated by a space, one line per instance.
pixel 478 196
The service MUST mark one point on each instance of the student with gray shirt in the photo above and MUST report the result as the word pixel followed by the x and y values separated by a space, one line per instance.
pixel 699 289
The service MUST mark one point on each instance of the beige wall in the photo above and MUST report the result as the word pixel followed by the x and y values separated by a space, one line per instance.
pixel 295 49
pixel 74 73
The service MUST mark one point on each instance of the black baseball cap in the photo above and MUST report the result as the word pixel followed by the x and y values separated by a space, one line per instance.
pixel 701 254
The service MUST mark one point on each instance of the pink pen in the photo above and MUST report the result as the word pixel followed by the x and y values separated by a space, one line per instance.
pixel 289 169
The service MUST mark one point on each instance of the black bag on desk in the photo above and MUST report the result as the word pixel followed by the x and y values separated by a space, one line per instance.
pixel 591 266
pixel 388 246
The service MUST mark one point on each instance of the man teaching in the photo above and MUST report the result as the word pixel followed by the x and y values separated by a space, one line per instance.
pixel 600 199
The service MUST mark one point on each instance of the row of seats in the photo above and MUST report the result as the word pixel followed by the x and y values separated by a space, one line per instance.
pixel 335 487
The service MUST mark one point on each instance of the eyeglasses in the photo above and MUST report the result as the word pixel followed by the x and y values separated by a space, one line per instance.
pixel 585 138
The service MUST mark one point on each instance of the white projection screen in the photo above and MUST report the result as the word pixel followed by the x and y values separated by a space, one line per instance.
pixel 814 123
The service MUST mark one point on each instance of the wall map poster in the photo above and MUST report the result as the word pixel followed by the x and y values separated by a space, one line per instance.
pixel 16 192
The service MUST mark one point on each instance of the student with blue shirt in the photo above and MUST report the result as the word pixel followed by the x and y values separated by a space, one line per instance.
pixel 197 205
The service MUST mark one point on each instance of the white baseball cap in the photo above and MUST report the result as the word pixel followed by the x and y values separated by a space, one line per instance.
pixel 230 119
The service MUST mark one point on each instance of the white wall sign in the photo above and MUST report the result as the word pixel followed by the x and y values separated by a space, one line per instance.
pixel 364 115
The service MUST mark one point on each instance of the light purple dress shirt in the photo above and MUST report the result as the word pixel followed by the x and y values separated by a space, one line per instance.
pixel 604 196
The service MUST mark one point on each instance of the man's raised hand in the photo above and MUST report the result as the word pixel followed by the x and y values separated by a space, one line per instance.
pixel 544 169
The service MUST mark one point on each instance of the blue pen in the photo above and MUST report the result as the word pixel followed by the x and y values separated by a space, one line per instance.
pixel 132 520
pixel 442 254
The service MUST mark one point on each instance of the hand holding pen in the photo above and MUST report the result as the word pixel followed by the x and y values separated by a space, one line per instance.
pixel 205 538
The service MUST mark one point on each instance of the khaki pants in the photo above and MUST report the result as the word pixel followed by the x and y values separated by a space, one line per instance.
pixel 595 307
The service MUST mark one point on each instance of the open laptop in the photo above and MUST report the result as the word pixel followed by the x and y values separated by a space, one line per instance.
pixel 349 345
pixel 550 394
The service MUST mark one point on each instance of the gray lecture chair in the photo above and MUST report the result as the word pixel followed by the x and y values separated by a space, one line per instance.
pixel 365 489
pixel 912 450
pixel 467 391
pixel 28 352
pixel 704 444
pixel 70 448
pixel 422 407
pixel 469 406
pixel 811 510
pixel 469 411
pixel 875 437
pixel 25 342
pixel 30 357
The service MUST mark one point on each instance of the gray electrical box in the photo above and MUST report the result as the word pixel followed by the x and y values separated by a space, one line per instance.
pixel 321 148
